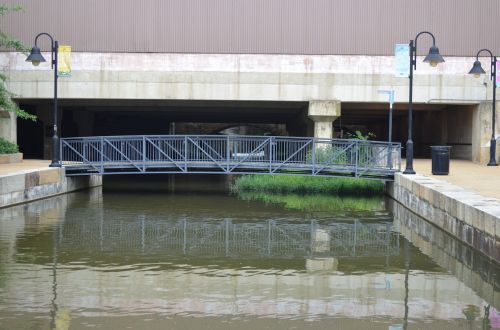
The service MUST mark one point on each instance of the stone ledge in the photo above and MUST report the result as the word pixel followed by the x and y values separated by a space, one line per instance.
pixel 11 158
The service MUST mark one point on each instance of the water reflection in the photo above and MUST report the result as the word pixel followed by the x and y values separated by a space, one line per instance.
pixel 212 261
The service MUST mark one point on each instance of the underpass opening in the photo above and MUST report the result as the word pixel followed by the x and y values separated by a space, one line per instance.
pixel 433 124
pixel 79 118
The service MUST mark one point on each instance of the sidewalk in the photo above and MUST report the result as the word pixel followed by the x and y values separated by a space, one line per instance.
pixel 27 165
pixel 479 178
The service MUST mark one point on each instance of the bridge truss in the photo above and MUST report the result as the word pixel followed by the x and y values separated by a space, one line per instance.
pixel 229 154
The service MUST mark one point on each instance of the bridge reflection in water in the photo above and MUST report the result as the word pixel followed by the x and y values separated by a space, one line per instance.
pixel 276 239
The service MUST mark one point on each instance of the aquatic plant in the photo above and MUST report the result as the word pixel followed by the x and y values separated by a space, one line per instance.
pixel 307 184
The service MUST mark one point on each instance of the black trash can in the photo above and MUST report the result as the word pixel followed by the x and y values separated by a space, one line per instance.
pixel 440 160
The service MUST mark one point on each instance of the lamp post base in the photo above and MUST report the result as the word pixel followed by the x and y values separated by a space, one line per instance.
pixel 55 164
pixel 409 158
pixel 493 147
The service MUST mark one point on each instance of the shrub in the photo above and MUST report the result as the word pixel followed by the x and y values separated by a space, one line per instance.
pixel 7 147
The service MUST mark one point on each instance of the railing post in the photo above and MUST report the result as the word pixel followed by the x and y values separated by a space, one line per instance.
pixel 313 156
pixel 228 153
pixel 143 153
pixel 185 153
pixel 356 167
pixel 102 154
pixel 271 153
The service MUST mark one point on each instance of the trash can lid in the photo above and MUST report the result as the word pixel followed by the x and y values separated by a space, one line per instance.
pixel 441 147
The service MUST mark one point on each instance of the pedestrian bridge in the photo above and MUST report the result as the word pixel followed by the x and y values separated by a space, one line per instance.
pixel 230 154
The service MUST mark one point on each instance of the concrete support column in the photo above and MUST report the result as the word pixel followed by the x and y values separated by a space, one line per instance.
pixel 323 113
pixel 481 132
pixel 8 126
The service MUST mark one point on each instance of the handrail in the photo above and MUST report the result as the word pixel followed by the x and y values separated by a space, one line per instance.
pixel 146 154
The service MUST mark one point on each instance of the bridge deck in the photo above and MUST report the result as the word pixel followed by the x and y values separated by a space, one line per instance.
pixel 230 154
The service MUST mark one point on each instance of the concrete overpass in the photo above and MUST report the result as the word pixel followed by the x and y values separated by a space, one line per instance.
pixel 303 93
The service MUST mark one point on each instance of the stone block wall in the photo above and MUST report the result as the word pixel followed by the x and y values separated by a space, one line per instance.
pixel 472 218
pixel 468 265
pixel 32 185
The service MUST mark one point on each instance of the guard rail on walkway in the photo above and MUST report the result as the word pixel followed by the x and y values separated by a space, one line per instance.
pixel 230 154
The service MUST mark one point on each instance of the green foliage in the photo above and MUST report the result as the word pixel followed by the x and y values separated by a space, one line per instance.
pixel 359 136
pixel 307 184
pixel 328 155
pixel 7 147
pixel 317 203
pixel 7 42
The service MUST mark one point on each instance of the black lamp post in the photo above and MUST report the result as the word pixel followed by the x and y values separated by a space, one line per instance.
pixel 433 58
pixel 35 57
pixel 477 70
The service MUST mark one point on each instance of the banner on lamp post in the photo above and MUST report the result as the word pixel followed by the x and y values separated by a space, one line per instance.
pixel 64 61
pixel 402 60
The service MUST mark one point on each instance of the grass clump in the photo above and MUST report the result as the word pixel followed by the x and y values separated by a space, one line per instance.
pixel 307 185
pixel 7 147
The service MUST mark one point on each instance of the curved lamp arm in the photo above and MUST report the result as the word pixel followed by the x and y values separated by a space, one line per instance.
pixel 493 62
pixel 53 46
pixel 433 55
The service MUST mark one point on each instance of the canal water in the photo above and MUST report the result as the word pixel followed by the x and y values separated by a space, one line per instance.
pixel 162 259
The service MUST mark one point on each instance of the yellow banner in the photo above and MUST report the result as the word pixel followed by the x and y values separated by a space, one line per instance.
pixel 64 61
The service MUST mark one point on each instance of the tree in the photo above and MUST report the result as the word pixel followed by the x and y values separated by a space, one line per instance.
pixel 8 42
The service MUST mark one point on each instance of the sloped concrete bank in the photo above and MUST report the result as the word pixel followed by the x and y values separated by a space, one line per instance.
pixel 30 185
pixel 468 216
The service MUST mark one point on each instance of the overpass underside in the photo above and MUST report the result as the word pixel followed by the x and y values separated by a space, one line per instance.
pixel 435 124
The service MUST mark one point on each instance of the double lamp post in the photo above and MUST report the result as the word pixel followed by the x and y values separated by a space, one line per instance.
pixel 434 58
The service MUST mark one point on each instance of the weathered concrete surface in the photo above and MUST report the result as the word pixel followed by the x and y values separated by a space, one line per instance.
pixel 29 181
pixel 467 215
pixel 243 77
pixel 481 132
pixel 11 158
pixel 323 114
pixel 8 127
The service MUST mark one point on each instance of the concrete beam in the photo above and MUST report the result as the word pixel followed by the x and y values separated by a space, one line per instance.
pixel 242 77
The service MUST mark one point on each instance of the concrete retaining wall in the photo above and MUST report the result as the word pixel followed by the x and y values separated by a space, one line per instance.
pixel 472 218
pixel 468 265
pixel 36 184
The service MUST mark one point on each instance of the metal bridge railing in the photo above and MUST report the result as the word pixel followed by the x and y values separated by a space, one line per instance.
pixel 229 154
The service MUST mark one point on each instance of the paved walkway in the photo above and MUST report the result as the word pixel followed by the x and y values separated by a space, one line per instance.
pixel 482 179
pixel 26 165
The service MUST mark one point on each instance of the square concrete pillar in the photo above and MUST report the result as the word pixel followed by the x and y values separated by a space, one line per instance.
pixel 481 132
pixel 323 113
pixel 8 125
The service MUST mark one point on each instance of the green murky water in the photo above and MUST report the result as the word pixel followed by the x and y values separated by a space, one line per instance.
pixel 207 260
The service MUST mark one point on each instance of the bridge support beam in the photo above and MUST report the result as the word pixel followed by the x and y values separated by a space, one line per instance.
pixel 323 113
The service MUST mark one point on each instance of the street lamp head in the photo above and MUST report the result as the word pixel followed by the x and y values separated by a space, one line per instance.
pixel 434 58
pixel 477 69
pixel 35 57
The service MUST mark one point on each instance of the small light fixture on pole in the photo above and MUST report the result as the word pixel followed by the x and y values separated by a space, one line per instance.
pixel 433 58
pixel 477 71
pixel 35 57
